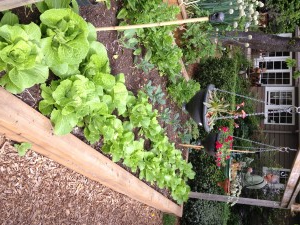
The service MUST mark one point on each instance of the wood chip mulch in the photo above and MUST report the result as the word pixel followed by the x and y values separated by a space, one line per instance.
pixel 37 190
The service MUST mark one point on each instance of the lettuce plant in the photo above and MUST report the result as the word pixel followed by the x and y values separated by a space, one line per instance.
pixel 65 41
pixel 21 57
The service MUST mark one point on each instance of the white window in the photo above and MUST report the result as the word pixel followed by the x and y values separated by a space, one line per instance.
pixel 276 71
pixel 279 98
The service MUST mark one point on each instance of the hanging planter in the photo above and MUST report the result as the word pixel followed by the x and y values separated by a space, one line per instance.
pixel 197 109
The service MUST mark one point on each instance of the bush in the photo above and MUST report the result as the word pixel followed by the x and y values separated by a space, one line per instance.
pixel 218 71
pixel 169 219
pixel 204 212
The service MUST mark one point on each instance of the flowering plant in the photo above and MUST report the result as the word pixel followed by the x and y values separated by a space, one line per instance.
pixel 223 146
pixel 217 108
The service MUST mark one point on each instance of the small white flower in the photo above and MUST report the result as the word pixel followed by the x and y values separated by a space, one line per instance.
pixel 254 17
pixel 239 1
pixel 261 4
pixel 235 25
pixel 247 45
pixel 251 11
pixel 250 6
pixel 246 30
pixel 249 37
pixel 256 13
pixel 231 11
pixel 247 25
pixel 241 7
pixel 257 2
pixel 256 22
pixel 230 3
pixel 253 0
pixel 217 29
pixel 236 8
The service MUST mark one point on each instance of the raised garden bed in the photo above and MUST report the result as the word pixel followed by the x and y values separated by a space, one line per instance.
pixel 22 123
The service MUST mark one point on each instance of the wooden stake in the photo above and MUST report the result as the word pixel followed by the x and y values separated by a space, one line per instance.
pixel 198 147
pixel 159 24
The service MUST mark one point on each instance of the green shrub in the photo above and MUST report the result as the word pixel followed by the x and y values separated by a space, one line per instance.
pixel 169 219
pixel 207 173
pixel 218 71
pixel 204 212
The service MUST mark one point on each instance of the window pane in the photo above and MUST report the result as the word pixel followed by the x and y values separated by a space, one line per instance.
pixel 271 54
pixel 284 65
pixel 286 53
pixel 269 65
pixel 277 64
pixel 279 53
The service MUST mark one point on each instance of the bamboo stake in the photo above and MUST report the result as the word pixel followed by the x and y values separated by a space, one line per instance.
pixel 198 147
pixel 159 24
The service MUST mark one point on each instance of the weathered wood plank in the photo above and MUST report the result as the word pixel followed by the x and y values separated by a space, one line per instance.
pixel 20 122
pixel 10 4
pixel 244 201
pixel 291 188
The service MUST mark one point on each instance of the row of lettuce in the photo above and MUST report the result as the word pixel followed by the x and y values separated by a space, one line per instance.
pixel 88 96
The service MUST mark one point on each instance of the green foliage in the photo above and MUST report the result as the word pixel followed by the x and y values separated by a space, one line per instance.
pixel 182 91
pixel 284 15
pixel 21 56
pixel 9 18
pixel 50 4
pixel 165 55
pixel 156 95
pixel 22 148
pixel 65 40
pixel 107 3
pixel 205 212
pixel 291 62
pixel 169 219
pixel 296 74
pixel 217 71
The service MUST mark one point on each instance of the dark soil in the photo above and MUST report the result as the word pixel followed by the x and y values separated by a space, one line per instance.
pixel 121 61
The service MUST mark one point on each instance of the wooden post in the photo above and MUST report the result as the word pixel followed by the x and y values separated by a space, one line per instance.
pixel 167 23
pixel 292 189
pixel 21 123
pixel 10 4
pixel 244 201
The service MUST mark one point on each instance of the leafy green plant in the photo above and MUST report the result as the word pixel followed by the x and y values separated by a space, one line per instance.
pixel 22 148
pixel 182 91
pixel 165 55
pixel 296 74
pixel 21 56
pixel 291 62
pixel 156 95
pixel 50 4
pixel 65 41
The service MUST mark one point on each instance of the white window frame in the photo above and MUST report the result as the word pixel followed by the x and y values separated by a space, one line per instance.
pixel 283 58
pixel 277 107
pixel 275 58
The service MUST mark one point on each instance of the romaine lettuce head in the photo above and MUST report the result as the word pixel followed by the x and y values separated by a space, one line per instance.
pixel 21 57
pixel 65 39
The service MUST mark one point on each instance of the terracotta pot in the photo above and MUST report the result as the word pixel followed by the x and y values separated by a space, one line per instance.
pixel 197 109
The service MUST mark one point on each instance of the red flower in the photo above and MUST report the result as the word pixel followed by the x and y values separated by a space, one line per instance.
pixel 228 157
pixel 218 164
pixel 225 129
pixel 218 145
pixel 230 138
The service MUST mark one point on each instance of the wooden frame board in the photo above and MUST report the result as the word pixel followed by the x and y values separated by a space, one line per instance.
pixel 10 4
pixel 21 123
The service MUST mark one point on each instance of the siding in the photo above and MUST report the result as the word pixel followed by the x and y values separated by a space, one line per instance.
pixel 278 135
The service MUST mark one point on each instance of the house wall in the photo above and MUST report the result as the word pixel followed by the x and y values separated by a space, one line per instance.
pixel 278 135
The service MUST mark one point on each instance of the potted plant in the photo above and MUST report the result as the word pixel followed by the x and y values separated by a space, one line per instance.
pixel 206 107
